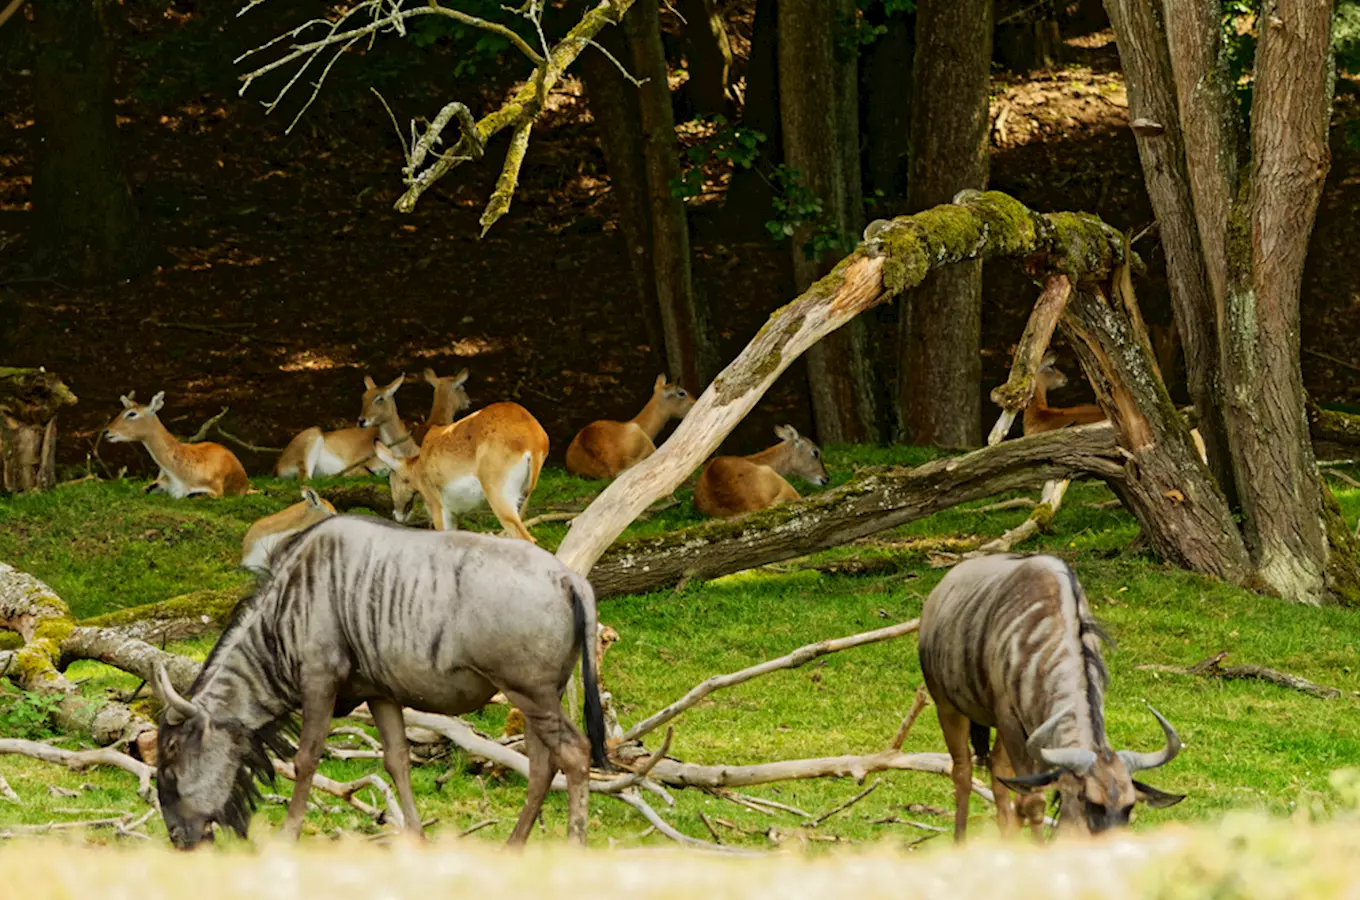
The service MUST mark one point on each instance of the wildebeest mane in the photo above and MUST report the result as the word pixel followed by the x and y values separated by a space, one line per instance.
pixel 1091 636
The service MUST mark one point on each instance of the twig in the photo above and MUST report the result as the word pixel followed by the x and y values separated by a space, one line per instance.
pixel 348 791
pixel 759 804
pixel 246 445
pixel 894 820
pixel 799 657
pixel 709 825
pixel 202 433
pixel 473 829
pixel 11 9
pixel 1337 473
pixel 550 517
pixel 920 703
pixel 814 822
pixel 208 329
pixel 1013 503
pixel 1331 359
pixel 358 734
pixel 1211 668
pixel 636 82
pixel 80 760
pixel 632 799
pixel 1039 520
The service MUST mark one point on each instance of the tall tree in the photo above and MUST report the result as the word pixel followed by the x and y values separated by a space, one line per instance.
pixel 86 220
pixel 747 206
pixel 818 102
pixel 941 325
pixel 690 355
pixel 1236 219
pixel 885 104
pixel 709 55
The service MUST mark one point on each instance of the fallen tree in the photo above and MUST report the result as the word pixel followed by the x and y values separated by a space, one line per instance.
pixel 874 500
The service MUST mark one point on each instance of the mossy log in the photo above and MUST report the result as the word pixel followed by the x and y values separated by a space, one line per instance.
pixel 899 255
pixel 875 500
pixel 344 497
pixel 29 402
pixel 1334 426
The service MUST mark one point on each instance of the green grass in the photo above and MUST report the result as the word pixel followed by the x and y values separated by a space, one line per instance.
pixel 1248 744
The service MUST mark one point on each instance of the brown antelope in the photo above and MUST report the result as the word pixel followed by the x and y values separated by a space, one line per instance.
pixel 732 485
pixel 605 448
pixel 314 452
pixel 493 455
pixel 1040 417
pixel 266 534
pixel 1008 642
pixel 185 469
pixel 449 397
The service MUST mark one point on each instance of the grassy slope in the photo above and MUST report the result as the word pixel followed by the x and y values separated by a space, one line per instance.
pixel 104 546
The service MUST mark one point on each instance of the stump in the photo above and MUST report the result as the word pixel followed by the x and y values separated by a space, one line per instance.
pixel 29 402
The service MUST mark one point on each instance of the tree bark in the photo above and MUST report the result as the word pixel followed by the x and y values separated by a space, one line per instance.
pixel 29 401
pixel 818 110
pixel 875 500
pixel 940 330
pixel 690 356
pixel 747 206
pixel 86 222
pixel 614 103
pixel 709 55
pixel 885 90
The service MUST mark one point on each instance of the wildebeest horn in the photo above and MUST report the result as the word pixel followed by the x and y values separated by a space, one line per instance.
pixel 1074 759
pixel 1137 762
pixel 1040 738
pixel 170 698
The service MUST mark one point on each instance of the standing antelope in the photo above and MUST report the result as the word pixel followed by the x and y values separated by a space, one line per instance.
pixel 185 469
pixel 493 455
pixel 1008 642
pixel 314 452
pixel 449 397
pixel 732 485
pixel 266 534
pixel 363 610
pixel 605 448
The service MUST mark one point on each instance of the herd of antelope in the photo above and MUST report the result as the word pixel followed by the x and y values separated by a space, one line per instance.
pixel 354 610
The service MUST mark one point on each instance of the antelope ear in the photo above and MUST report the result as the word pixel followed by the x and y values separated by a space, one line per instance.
pixel 786 432
pixel 1025 784
pixel 387 457
pixel 127 399
pixel 1049 361
pixel 156 402
pixel 396 383
pixel 660 383
pixel 369 383
pixel 460 379
pixel 1155 798
pixel 431 378
pixel 311 496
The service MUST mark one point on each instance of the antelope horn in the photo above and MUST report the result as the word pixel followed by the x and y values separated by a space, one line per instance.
pixel 1041 736
pixel 1075 759
pixel 170 698
pixel 1137 762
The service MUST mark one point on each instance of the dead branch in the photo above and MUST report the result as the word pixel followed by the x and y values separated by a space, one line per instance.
pixel 814 822
pixel 1039 520
pixel 206 427
pixel 208 329
pixel 758 804
pixel 1013 503
pixel 348 792
pixel 499 204
pixel 244 444
pixel 632 799
pixel 80 760
pixel 7 792
pixel 799 657
pixel 9 10
pixel 921 702
pixel 1211 668
pixel 543 518
pixel 473 829
pixel 1018 391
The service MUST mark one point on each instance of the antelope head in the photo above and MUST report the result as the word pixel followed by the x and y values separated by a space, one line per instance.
pixel 801 457
pixel 136 422
pixel 673 400
pixel 379 405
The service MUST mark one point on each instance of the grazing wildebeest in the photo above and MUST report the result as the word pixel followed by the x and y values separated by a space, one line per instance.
pixel 1008 642
pixel 357 610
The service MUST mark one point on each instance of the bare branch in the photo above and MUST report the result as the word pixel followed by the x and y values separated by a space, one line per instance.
pixel 632 799
pixel 348 792
pixel 499 204
pixel 80 760
pixel 921 702
pixel 636 82
pixel 813 823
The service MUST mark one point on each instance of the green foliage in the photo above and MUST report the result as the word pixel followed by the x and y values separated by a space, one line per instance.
pixel 1346 36
pixel 27 716
pixel 473 46
pixel 862 32
pixel 732 143
pixel 1239 41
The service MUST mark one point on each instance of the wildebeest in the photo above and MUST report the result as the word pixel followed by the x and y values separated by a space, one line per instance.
pixel 1008 642
pixel 357 610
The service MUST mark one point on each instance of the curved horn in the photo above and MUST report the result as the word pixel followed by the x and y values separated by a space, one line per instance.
pixel 1040 738
pixel 1137 762
pixel 175 705
pixel 1075 759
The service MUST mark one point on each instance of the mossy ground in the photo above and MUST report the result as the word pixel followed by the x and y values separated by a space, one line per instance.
pixel 105 547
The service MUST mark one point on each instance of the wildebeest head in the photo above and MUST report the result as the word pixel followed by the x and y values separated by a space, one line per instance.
pixel 1098 788
pixel 199 768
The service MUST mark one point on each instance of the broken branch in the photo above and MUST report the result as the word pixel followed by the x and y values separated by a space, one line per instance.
pixel 80 760
pixel 1212 668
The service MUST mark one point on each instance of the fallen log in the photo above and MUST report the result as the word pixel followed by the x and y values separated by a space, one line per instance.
pixel 875 500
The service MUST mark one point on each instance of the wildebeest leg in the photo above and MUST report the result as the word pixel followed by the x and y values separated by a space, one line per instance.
pixel 317 705
pixel 1029 807
pixel 569 751
pixel 955 726
pixel 1002 768
pixel 397 757
pixel 541 771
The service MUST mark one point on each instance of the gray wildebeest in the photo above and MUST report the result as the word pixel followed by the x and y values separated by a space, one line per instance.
pixel 363 610
pixel 1008 642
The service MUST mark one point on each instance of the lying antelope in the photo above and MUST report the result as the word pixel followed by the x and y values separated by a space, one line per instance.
pixel 605 448
pixel 1008 642
pixel 493 455
pixel 186 470
pixel 264 537
pixel 732 485
pixel 449 397
pixel 1040 417
pixel 314 452
pixel 361 610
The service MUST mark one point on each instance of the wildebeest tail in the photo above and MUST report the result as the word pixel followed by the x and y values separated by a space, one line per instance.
pixel 981 735
pixel 589 681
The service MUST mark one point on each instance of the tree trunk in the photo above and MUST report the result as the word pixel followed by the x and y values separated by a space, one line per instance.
pixel 747 206
pixel 86 223
pixel 885 108
pixel 875 500
pixel 690 355
pixel 818 109
pixel 940 332
pixel 709 55
pixel 615 107
pixel 29 401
